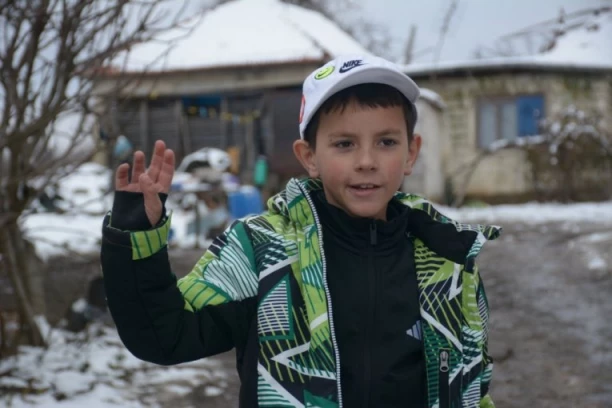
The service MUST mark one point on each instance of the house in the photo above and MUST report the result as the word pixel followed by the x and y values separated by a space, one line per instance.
pixel 235 83
pixel 506 98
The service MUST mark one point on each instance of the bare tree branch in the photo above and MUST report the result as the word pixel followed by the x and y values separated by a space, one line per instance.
pixel 52 53
pixel 448 17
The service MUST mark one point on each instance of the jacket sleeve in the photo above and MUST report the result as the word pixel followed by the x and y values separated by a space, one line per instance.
pixel 483 307
pixel 165 321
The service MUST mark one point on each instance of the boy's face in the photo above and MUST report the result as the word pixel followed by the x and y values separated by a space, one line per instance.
pixel 362 155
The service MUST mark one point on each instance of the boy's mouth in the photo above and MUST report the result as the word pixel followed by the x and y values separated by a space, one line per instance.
pixel 364 188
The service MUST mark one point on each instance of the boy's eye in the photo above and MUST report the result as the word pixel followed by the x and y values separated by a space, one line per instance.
pixel 343 145
pixel 389 142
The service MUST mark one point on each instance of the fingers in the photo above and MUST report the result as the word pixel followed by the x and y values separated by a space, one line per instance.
pixel 139 166
pixel 157 160
pixel 167 171
pixel 121 177
pixel 152 202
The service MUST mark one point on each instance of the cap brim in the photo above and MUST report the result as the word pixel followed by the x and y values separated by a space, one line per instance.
pixel 372 75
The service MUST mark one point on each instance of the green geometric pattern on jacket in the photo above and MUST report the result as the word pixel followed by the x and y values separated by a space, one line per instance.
pixel 278 257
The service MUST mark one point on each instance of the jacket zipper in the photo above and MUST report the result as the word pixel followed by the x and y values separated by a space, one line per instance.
pixel 327 295
pixel 443 373
pixel 372 284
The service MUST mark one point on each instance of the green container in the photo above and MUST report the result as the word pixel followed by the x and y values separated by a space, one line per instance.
pixel 260 174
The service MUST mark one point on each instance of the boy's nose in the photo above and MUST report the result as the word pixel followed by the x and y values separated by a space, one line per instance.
pixel 366 160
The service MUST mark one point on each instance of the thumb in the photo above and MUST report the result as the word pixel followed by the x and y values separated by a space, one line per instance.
pixel 152 202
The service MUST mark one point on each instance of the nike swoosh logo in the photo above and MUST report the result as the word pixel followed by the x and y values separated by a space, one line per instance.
pixel 344 69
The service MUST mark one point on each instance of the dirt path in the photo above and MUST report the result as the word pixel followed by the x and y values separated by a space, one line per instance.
pixel 551 316
pixel 551 320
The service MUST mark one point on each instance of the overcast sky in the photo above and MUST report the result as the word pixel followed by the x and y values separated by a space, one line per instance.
pixel 476 22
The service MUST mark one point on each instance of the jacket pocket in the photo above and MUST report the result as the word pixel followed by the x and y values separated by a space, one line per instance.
pixel 443 374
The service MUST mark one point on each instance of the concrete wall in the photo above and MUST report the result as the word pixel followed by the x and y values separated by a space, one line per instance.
pixel 506 173
pixel 428 176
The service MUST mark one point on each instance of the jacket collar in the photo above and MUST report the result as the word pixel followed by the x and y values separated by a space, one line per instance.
pixel 461 242
pixel 364 234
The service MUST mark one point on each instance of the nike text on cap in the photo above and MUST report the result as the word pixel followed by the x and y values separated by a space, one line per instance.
pixel 346 71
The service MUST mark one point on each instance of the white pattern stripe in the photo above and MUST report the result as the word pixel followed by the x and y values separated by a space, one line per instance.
pixel 477 360
pixel 441 329
pixel 318 321
pixel 471 397
pixel 273 314
pixel 276 267
pixel 284 358
pixel 455 288
pixel 277 387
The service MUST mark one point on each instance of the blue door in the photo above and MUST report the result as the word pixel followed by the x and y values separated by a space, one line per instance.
pixel 530 110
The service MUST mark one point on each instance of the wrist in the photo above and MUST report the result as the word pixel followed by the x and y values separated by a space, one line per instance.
pixel 129 214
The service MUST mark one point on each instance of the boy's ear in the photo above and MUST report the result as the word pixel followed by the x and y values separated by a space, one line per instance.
pixel 413 153
pixel 306 156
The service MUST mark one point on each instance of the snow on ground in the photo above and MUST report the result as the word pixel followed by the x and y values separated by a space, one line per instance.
pixel 78 229
pixel 94 370
pixel 535 213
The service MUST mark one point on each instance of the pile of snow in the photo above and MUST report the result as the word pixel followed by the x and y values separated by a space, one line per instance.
pixel 93 369
pixel 58 234
pixel 533 213
pixel 86 189
pixel 245 32
pixel 85 197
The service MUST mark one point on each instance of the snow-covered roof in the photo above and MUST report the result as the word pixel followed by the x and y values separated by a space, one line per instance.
pixel 588 47
pixel 591 43
pixel 433 98
pixel 246 32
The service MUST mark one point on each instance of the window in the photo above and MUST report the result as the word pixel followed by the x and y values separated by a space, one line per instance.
pixel 508 118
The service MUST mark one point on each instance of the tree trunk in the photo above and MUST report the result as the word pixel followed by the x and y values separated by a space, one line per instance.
pixel 27 282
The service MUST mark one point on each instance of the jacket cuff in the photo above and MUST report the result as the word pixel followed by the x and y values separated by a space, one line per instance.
pixel 128 213
pixel 143 244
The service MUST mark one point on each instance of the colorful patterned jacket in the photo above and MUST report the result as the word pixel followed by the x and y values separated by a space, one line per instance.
pixel 272 269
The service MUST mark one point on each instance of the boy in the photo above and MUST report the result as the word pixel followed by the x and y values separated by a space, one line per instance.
pixel 344 293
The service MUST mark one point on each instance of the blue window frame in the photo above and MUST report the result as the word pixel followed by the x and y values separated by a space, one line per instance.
pixel 509 118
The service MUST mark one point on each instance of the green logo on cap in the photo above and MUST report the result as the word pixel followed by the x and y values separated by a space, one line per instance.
pixel 324 72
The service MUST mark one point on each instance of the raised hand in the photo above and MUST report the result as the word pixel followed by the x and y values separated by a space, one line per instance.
pixel 150 182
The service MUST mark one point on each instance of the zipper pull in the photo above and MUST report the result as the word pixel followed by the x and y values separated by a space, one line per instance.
pixel 444 361
pixel 373 236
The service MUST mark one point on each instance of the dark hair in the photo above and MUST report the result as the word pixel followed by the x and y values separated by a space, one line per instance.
pixel 370 95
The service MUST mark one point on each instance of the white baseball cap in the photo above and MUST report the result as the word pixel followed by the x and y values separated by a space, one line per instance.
pixel 350 70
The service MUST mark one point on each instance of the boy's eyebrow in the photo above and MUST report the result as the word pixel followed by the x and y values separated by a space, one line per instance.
pixel 340 134
pixel 389 131
pixel 384 132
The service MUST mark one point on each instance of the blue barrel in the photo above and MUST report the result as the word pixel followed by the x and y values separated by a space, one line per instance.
pixel 245 201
